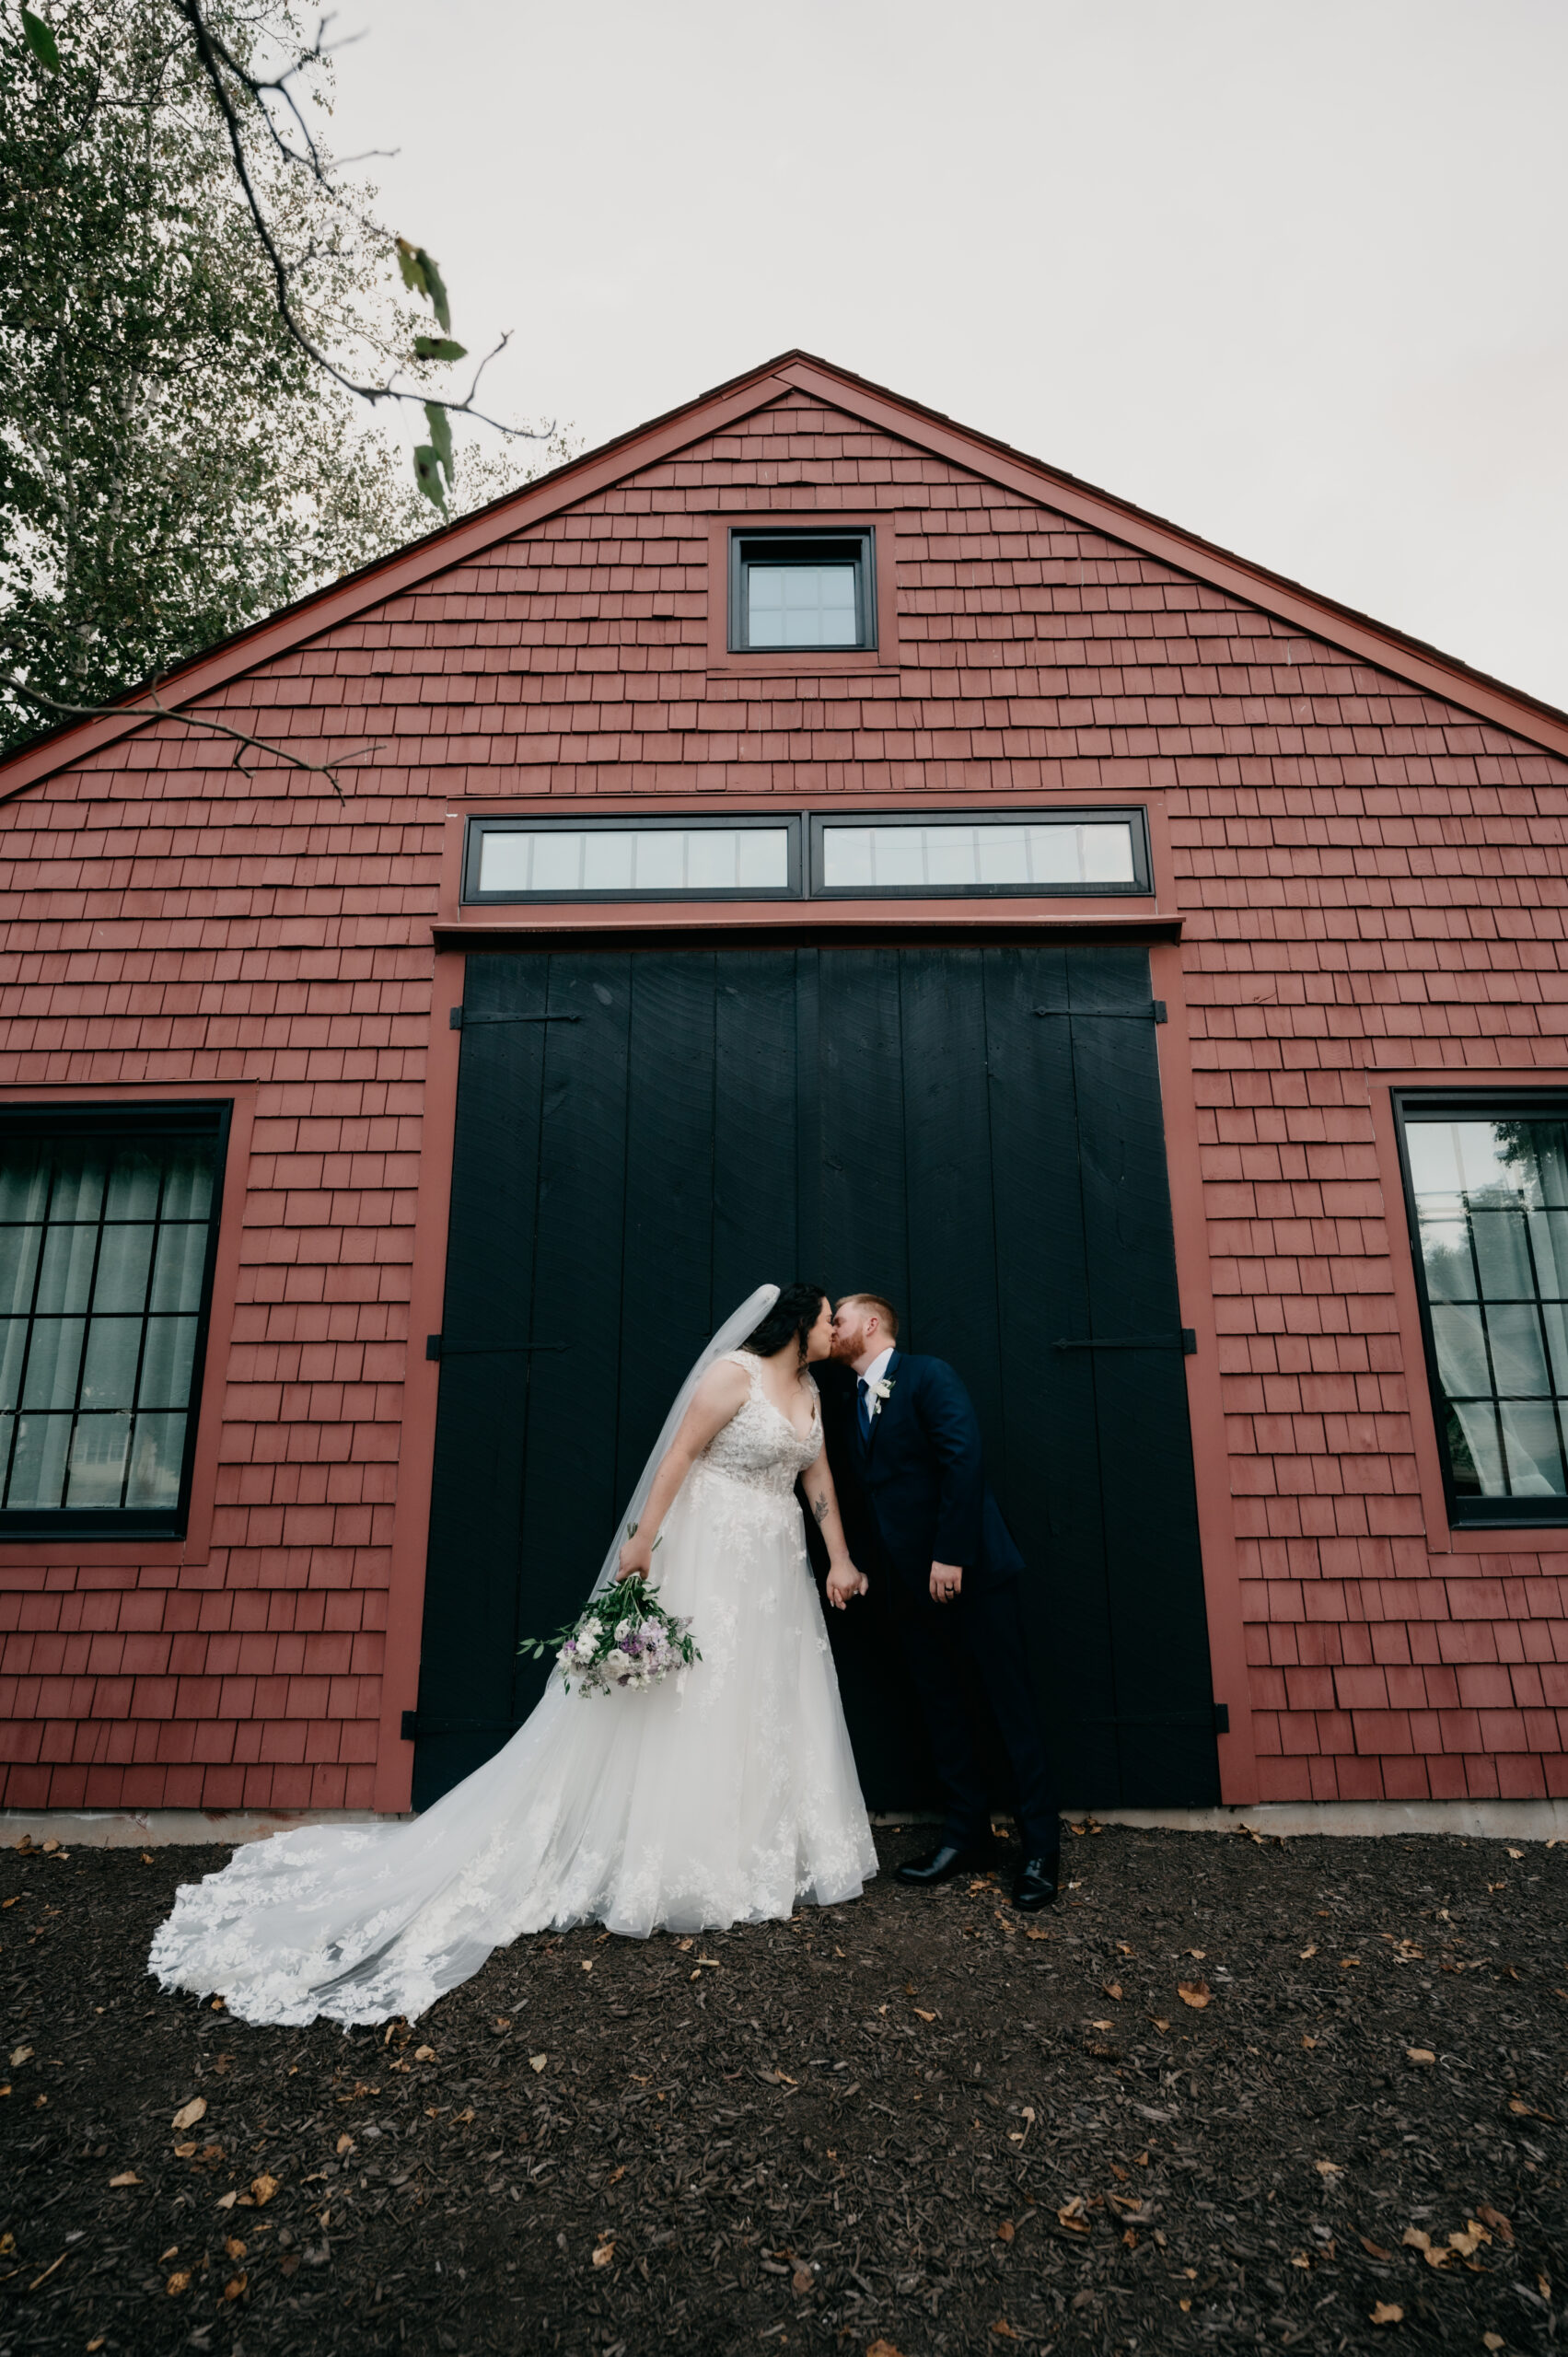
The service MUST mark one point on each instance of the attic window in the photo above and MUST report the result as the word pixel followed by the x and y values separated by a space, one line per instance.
pixel 801 591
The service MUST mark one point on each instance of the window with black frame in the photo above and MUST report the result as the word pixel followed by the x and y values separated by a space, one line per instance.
pixel 1488 1185
pixel 107 1228
pixel 809 590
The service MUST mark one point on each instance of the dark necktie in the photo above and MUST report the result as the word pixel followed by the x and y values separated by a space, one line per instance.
pixel 862 1409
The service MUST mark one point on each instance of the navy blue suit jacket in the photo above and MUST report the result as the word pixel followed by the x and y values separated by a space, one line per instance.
pixel 920 1480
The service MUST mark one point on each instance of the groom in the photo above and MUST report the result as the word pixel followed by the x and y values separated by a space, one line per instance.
pixel 904 1447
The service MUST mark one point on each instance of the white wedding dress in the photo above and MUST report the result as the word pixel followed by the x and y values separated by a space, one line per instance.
pixel 723 1795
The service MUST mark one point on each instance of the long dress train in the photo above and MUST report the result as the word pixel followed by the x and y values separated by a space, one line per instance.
pixel 722 1794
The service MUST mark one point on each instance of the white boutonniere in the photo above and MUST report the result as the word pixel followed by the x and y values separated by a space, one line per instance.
pixel 881 1394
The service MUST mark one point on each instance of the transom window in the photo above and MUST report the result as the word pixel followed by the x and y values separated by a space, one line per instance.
pixel 808 590
pixel 934 856
pixel 1488 1186
pixel 106 1233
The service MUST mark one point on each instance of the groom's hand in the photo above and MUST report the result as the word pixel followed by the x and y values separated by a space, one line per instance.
pixel 946 1582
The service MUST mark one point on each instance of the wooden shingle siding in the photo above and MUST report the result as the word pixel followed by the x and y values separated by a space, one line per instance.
pixel 1372 880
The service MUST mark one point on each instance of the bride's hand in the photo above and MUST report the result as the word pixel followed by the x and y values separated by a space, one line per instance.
pixel 636 1559
pixel 844 1581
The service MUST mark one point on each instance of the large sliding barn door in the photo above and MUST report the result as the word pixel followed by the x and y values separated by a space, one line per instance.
pixel 645 1136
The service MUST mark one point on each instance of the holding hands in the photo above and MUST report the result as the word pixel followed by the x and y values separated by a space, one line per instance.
pixel 844 1581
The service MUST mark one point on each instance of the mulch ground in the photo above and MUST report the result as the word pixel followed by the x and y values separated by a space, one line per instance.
pixel 919 2121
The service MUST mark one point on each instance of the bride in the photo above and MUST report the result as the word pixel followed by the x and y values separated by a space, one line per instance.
pixel 722 1794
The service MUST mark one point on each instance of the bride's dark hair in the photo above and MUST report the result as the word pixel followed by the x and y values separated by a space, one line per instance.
pixel 795 1312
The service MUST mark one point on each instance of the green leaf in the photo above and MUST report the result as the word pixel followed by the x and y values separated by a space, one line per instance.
pixel 436 287
pixel 409 265
pixel 440 426
pixel 40 41
pixel 438 347
pixel 427 467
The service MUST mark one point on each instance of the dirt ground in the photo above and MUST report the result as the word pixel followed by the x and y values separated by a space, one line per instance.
pixel 1227 2091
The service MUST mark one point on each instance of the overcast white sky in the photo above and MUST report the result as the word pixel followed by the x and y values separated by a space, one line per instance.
pixel 1291 276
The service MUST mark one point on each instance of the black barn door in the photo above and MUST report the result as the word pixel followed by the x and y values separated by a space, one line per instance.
pixel 644 1137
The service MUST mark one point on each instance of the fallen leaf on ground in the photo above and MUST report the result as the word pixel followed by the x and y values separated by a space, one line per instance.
pixel 234 2247
pixel 1113 1991
pixel 1309 2041
pixel 345 2145
pixel 1195 1993
pixel 1330 2168
pixel 189 2113
pixel 1161 2027
pixel 1495 2220
pixel 126 2177
pixel 20 2054
pixel 263 2188
pixel 1004 2330
pixel 1071 2216
pixel 1307 1952
pixel 603 2254
pixel 538 2062
pixel 1388 2312
pixel 1198 1953
pixel 180 2282
pixel 1420 2054
pixel 803 2280
pixel 882 2349
pixel 1004 2231
pixel 1493 2340
pixel 922 2015
pixel 425 2054
pixel 234 2288
pixel 1373 2250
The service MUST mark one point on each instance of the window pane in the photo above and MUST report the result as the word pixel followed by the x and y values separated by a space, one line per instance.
pixel 77 1192
pixel 38 1461
pixel 1001 853
pixel 187 1183
pixel 19 1266
pixel 155 1461
pixel 565 863
pixel 800 605
pixel 506 861
pixel 134 1185
pixel 123 1262
pixel 166 1361
pixel 1493 1254
pixel 179 1268
pixel 65 1278
pixel 24 1181
pixel 109 1363
pixel 53 1362
pixel 13 1350
pixel 97 1473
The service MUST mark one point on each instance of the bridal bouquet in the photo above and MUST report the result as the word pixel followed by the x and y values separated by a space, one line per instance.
pixel 625 1638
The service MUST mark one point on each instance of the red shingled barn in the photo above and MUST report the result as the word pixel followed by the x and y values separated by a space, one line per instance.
pixel 805 837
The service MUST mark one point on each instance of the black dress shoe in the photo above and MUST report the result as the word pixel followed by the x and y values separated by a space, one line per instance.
pixel 1036 1885
pixel 942 1864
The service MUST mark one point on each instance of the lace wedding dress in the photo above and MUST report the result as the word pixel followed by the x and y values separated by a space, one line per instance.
pixel 722 1794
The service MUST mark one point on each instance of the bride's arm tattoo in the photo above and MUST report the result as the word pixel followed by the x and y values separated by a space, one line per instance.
pixel 820 1508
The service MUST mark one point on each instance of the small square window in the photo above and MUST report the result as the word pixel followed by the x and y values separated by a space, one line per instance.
pixel 107 1225
pixel 811 592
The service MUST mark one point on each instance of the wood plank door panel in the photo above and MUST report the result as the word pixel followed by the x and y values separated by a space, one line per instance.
pixel 975 1132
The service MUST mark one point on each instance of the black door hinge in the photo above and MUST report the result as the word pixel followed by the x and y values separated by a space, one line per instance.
pixel 437 1347
pixel 456 1018
pixel 410 1727
pixel 1222 1718
pixel 1160 1014
pixel 1186 1341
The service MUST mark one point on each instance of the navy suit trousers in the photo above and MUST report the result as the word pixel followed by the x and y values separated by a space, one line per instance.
pixel 988 1625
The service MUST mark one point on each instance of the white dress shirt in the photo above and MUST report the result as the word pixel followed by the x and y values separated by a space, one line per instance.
pixel 874 1374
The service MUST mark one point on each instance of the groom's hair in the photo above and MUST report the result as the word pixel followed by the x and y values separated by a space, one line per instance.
pixel 884 1310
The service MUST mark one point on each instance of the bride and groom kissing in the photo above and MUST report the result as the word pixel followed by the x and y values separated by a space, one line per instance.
pixel 727 1793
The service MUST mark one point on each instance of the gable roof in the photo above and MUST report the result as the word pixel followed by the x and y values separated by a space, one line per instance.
pixel 1424 668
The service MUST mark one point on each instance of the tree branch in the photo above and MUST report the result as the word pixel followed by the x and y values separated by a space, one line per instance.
pixel 221 66
pixel 155 709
